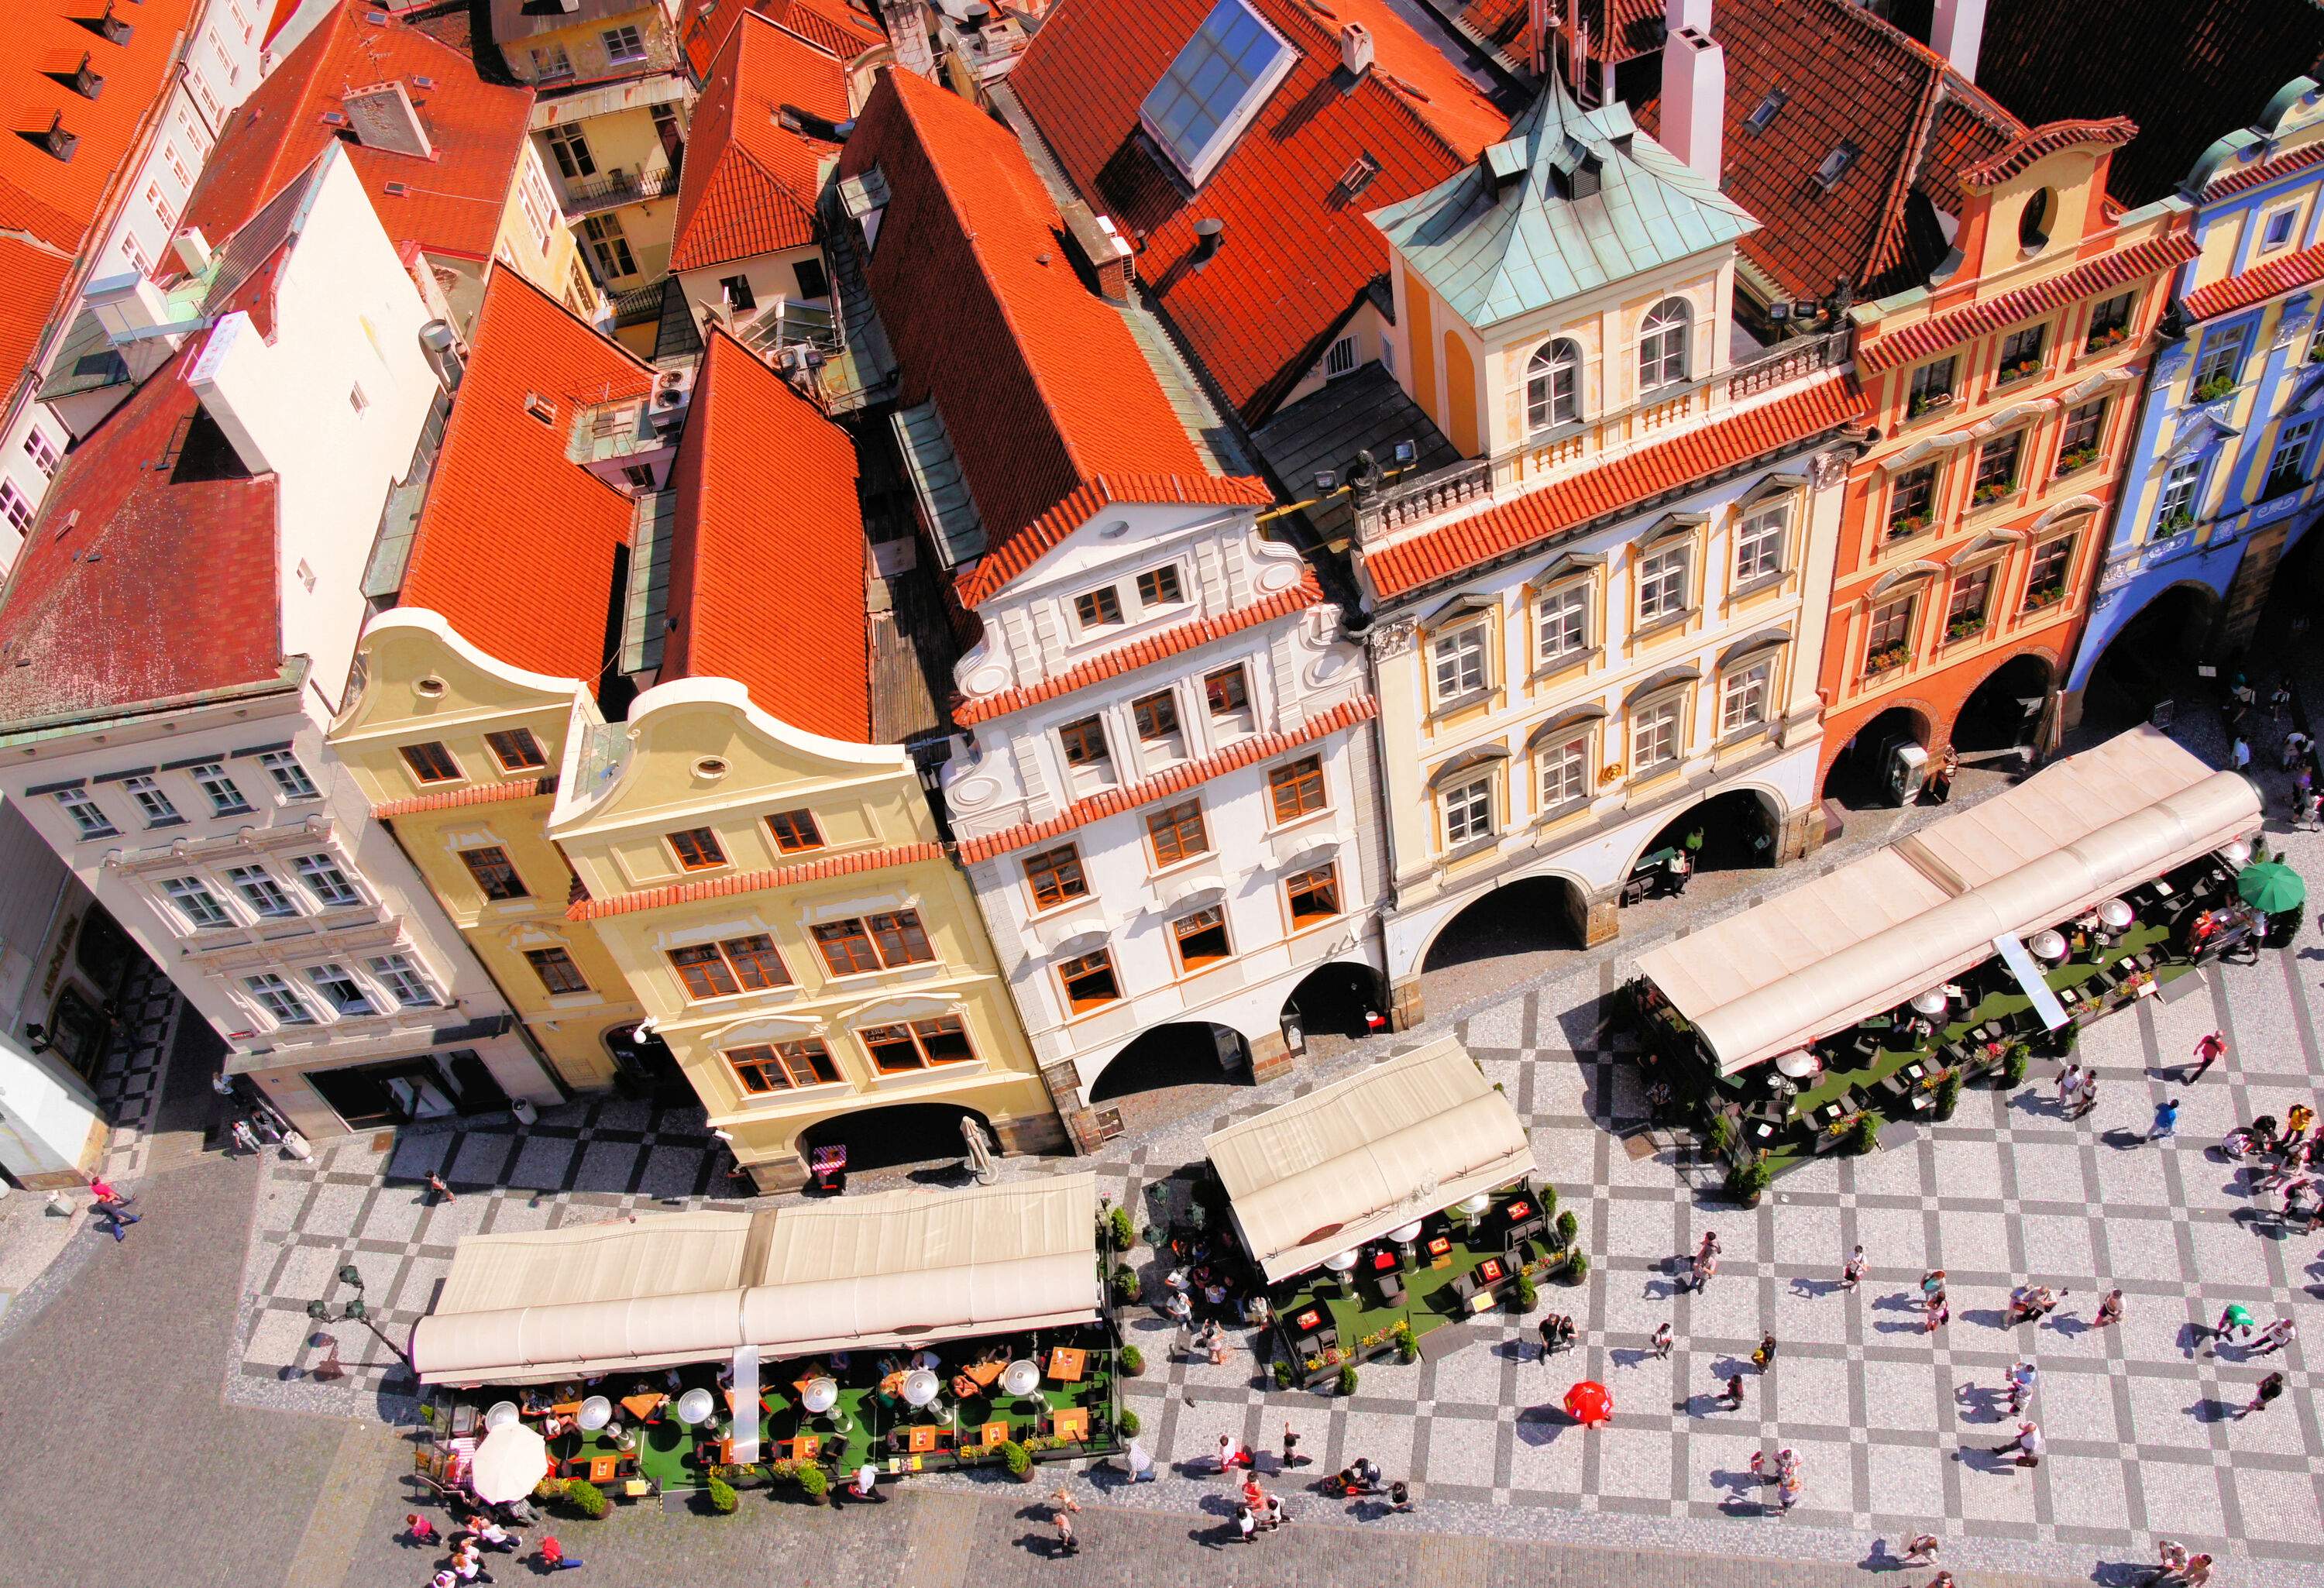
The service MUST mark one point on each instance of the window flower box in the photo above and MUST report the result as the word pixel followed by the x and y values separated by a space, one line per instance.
pixel 2075 457
pixel 2048 596
pixel 1994 492
pixel 2024 369
pixel 1911 523
pixel 2112 337
pixel 2176 522
pixel 1887 659
pixel 1962 627
pixel 1924 402
pixel 2218 386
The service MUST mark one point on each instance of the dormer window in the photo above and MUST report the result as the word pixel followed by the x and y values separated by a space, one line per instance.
pixel 75 73
pixel 1098 608
pixel 1553 386
pixel 1214 88
pixel 53 137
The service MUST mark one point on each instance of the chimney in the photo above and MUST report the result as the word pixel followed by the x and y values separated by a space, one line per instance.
pixel 1694 89
pixel 1355 49
pixel 383 117
pixel 1210 236
pixel 908 31
pixel 1101 255
pixel 193 250
pixel 1956 32
pixel 439 345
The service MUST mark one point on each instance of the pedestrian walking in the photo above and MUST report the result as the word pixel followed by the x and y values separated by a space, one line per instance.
pixel 1246 1523
pixel 2089 1093
pixel 2276 1336
pixel 104 1194
pixel 1920 1549
pixel 1661 1341
pixel 1062 1498
pixel 1706 1269
pixel 2028 1445
pixel 2269 1388
pixel 1936 1314
pixel 2234 1324
pixel 2279 702
pixel 1399 1498
pixel 2166 1120
pixel 1735 1392
pixel 419 1528
pixel 1787 1489
pixel 438 1191
pixel 1067 1542
pixel 1933 1284
pixel 2240 756
pixel 1547 1328
pixel 1291 1456
pixel 1229 1455
pixel 1939 787
pixel 1710 1247
pixel 1941 1580
pixel 1851 1272
pixel 246 1140
pixel 1766 1354
pixel 1139 1461
pixel 2109 1308
pixel 1276 1515
pixel 552 1557
pixel 2209 1048
pixel 2024 1377
pixel 2070 1087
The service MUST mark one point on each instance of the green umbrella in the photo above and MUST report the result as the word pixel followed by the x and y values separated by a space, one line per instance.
pixel 2270 887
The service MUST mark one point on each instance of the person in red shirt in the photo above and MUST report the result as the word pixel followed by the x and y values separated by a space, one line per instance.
pixel 553 1557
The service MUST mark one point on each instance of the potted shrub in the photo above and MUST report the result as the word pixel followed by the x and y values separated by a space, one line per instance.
pixel 1523 1296
pixel 1747 1182
pixel 1018 1460
pixel 2075 457
pixel 1347 1379
pixel 1569 1227
pixel 1547 1196
pixel 1128 1423
pixel 1577 1266
pixel 814 1483
pixel 1125 1285
pixel 2013 1063
pixel 723 1498
pixel 1863 1135
pixel 1991 491
pixel 1133 1361
pixel 1118 1228
pixel 586 1498
pixel 1407 1345
pixel 1283 1375
pixel 1968 624
pixel 1948 1097
pixel 1719 1135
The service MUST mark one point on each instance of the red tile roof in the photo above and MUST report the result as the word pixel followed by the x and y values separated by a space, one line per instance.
pixel 1635 27
pixel 460 799
pixel 831 25
pixel 781 876
pixel 1849 77
pixel 36 273
pixel 2257 285
pixel 508 513
pixel 452 203
pixel 1175 640
pixel 151 573
pixel 2238 179
pixel 2041 142
pixel 1298 253
pixel 1972 321
pixel 1177 780
pixel 1050 405
pixel 748 183
pixel 1825 405
pixel 766 573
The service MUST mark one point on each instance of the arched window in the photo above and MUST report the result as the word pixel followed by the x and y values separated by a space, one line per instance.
pixel 1662 345
pixel 1553 386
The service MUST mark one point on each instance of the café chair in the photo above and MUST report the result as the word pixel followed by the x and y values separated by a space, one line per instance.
pixel 1391 1290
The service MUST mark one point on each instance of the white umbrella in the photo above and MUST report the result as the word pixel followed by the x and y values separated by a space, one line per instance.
pixel 1932 1002
pixel 502 1414
pixel 694 1407
pixel 1405 1234
pixel 1478 1204
pixel 1021 1377
pixel 819 1395
pixel 2115 913
pixel 507 1465
pixel 595 1413
pixel 1798 1064
pixel 920 1387
pixel 2047 945
pixel 1339 1262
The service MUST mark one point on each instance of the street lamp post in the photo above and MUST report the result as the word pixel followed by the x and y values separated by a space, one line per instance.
pixel 355 1312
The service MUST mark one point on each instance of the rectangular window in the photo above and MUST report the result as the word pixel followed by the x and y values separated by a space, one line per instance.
pixel 1156 715
pixel 260 891
pixel 570 146
pixel 290 778
pixel 2275 230
pixel 15 506
pixel 2021 354
pixel 846 947
pixel 516 749
pixel 736 292
pixel 1966 608
pixel 2046 580
pixel 326 881
pixel 1662 585
pixel 1313 895
pixel 795 830
pixel 279 1000
pixel 1097 608
pixel 151 799
pixel 702 970
pixel 1177 833
pixel 781 1066
pixel 1996 467
pixel 738 964
pixel 1089 981
pixel 696 849
pixel 2287 465
pixel 2078 437
pixel 608 247
pixel 225 798
pixel 1201 939
pixel 1932 387
pixel 813 283
pixel 917 1045
pixel 758 964
pixel 1460 663
pixel 1055 875
pixel 557 970
pixel 40 450
pixel 1565 772
pixel 1084 743
pixel 2110 323
pixel 88 816
pixel 2221 366
pixel 494 873
pixel 1158 587
pixel 550 61
pixel 1296 789
pixel 1654 734
pixel 1214 86
pixel 404 980
pixel 1759 543
pixel 2176 509
pixel 902 939
pixel 1889 638
pixel 1561 625
pixel 340 990
pixel 160 208
pixel 1469 812
pixel 1226 691
pixel 1743 697
pixel 623 45
pixel 430 762
pixel 196 902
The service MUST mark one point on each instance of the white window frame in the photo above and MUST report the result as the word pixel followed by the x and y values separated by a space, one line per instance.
pixel 1561 613
pixel 1552 389
pixel 1664 338
pixel 225 796
pixel 15 507
pixel 1467 809
pixel 152 801
pixel 1662 580
pixel 1340 357
pixel 1466 650
pixel 2291 439
pixel 291 781
pixel 262 890
pixel 401 977
pixel 1763 536
pixel 2182 489
pixel 1662 720
pixel 87 817
pixel 200 907
pixel 362 1004
pixel 1568 762
pixel 1744 693
pixel 42 451
pixel 282 1001
pixel 322 875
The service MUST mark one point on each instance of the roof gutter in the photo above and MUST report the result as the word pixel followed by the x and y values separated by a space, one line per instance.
pixel 27 731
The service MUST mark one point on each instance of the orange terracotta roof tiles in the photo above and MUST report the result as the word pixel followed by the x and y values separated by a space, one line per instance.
pixel 36 273
pixel 766 573
pixel 1816 409
pixel 461 799
pixel 831 25
pixel 2257 285
pixel 1177 780
pixel 748 183
pixel 450 203
pixel 507 510
pixel 1972 321
pixel 2238 179
pixel 1298 253
pixel 1175 640
pixel 1050 405
pixel 2043 140
pixel 784 876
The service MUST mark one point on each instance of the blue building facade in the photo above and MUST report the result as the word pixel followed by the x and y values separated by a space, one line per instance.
pixel 2221 483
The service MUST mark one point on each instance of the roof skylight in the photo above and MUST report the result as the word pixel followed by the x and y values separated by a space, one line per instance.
pixel 1214 87
pixel 1762 116
pixel 1835 165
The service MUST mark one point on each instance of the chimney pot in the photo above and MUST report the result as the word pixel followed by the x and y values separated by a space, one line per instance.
pixel 1694 96
pixel 1956 32
pixel 1355 49
pixel 1210 236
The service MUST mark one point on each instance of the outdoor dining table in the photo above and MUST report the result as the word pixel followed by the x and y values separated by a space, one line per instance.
pixel 641 1406
pixel 1065 1364
pixel 981 1374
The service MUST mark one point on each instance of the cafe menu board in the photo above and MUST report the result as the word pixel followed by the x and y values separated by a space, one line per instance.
pixel 1490 1271
pixel 1439 1252
pixel 1519 1210
pixel 1309 1321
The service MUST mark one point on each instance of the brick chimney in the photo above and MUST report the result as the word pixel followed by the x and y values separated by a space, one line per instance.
pixel 1694 88
pixel 907 32
pixel 1956 33
pixel 1355 49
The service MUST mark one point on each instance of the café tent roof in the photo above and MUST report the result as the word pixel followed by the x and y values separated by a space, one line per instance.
pixel 1869 935
pixel 1351 1162
pixel 906 1268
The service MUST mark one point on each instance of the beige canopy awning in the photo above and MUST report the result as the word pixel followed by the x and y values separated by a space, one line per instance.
pixel 1869 935
pixel 1351 1162
pixel 906 1267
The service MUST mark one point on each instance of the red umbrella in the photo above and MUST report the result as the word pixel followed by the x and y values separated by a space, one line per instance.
pixel 1590 1403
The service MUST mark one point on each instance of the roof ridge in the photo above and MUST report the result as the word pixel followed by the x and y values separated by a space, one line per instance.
pixel 1889 240
pixel 1975 98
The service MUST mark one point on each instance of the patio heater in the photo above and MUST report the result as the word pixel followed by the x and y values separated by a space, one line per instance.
pixel 355 1311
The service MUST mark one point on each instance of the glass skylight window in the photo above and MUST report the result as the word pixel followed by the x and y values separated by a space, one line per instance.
pixel 1214 87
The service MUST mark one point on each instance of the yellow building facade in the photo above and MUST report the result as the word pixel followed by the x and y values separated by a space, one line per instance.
pixel 801 941
pixel 458 753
